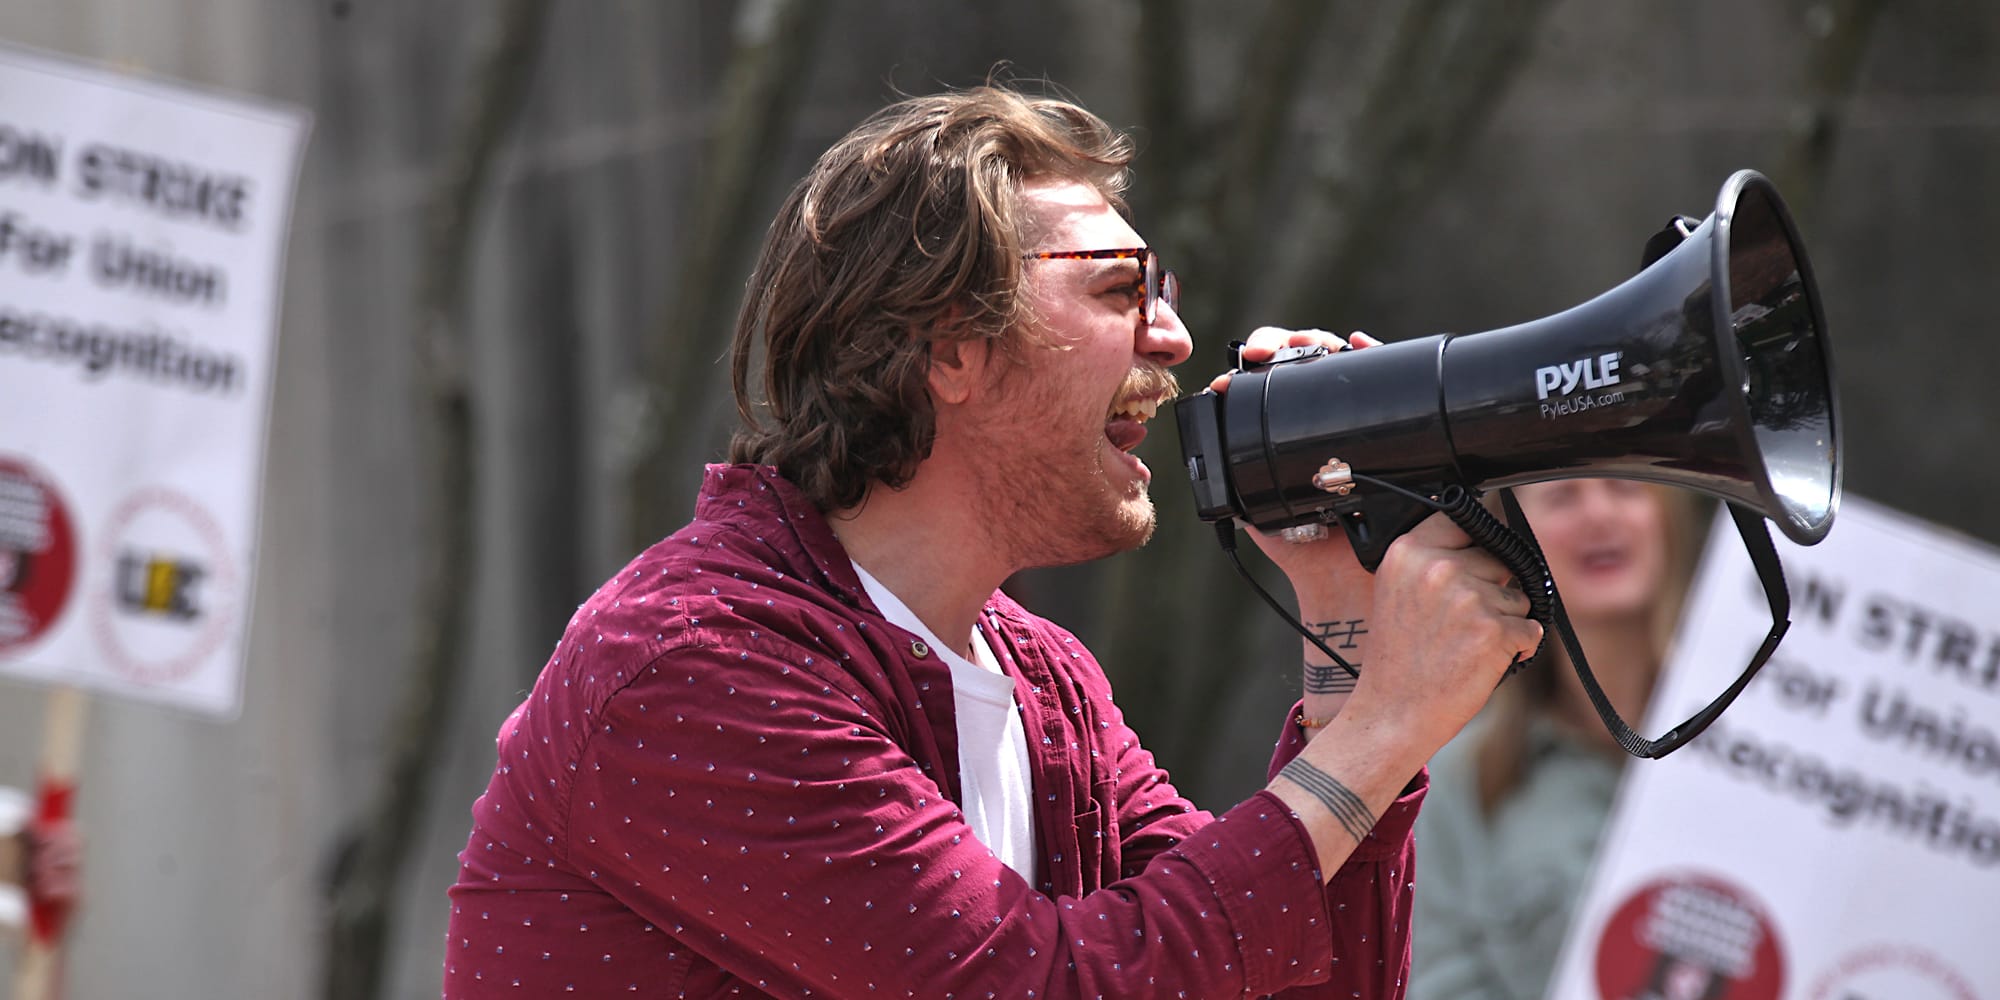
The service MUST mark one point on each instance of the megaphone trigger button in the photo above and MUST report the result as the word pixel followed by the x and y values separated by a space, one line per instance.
pixel 1335 477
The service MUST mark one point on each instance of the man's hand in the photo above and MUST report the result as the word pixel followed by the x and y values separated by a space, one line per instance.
pixel 54 858
pixel 1268 340
pixel 1448 621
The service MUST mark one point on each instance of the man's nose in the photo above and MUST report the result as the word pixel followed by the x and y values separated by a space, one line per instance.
pixel 1165 340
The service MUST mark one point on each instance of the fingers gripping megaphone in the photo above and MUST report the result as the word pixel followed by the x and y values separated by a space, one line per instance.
pixel 1709 370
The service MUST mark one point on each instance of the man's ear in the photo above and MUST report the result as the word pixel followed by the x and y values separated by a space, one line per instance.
pixel 957 368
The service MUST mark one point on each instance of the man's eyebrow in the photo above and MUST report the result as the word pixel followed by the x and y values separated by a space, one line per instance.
pixel 1122 268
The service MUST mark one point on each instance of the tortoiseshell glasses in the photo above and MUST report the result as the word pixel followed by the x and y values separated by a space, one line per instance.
pixel 1159 285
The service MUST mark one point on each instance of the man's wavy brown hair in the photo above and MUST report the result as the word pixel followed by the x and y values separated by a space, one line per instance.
pixel 906 232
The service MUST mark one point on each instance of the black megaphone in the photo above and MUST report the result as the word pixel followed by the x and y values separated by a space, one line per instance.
pixel 1708 370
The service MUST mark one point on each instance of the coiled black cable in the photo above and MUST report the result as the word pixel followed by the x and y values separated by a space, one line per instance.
pixel 1519 555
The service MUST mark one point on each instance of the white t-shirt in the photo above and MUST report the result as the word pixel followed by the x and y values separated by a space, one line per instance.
pixel 992 745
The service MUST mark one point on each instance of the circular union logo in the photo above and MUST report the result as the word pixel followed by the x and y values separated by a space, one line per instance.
pixel 1892 972
pixel 167 608
pixel 37 554
pixel 1690 937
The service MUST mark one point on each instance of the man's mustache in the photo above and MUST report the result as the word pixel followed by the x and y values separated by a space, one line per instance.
pixel 1149 380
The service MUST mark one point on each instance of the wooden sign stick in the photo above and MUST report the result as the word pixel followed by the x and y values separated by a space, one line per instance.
pixel 39 976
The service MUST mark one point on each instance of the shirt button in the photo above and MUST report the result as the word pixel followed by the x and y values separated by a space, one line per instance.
pixel 918 649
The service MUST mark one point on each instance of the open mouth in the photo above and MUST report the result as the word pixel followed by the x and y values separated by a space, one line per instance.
pixel 1138 400
pixel 1125 426
pixel 1604 560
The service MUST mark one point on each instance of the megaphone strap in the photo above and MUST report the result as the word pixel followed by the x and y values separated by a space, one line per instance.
pixel 1770 573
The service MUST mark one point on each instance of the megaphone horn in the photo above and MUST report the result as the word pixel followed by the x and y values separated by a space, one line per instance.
pixel 1708 370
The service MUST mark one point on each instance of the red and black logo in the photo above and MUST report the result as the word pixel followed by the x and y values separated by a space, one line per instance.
pixel 37 555
pixel 1694 937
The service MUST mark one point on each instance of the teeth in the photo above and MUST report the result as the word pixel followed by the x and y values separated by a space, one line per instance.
pixel 1142 409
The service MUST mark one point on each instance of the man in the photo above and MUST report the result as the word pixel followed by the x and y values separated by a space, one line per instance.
pixel 805 747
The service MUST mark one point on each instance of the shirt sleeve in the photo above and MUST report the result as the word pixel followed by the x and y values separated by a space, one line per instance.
pixel 744 798
pixel 1364 946
pixel 1370 899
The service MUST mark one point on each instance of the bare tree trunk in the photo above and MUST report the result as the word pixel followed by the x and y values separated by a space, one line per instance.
pixel 1840 30
pixel 362 885
pixel 1449 66
pixel 760 96
pixel 1162 61
pixel 1239 205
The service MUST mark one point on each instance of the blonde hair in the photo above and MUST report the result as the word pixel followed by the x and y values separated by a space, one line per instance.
pixel 1503 747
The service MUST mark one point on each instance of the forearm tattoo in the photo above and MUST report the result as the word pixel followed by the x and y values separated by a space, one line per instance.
pixel 1325 678
pixel 1345 806
pixel 1345 630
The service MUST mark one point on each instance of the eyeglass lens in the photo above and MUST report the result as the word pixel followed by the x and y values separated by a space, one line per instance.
pixel 1160 284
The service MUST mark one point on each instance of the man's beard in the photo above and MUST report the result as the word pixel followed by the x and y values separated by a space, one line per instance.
pixel 1051 519
pixel 1056 507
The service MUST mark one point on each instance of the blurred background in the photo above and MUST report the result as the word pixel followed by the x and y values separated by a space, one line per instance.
pixel 522 231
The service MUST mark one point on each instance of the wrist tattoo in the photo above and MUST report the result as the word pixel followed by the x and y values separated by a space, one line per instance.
pixel 1345 806
pixel 1346 631
pixel 1326 678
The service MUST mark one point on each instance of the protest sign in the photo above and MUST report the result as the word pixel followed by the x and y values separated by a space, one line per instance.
pixel 142 234
pixel 1836 834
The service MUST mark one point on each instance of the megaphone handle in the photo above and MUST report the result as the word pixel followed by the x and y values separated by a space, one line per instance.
pixel 1517 550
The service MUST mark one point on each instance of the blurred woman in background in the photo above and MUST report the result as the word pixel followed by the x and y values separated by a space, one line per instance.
pixel 1518 800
